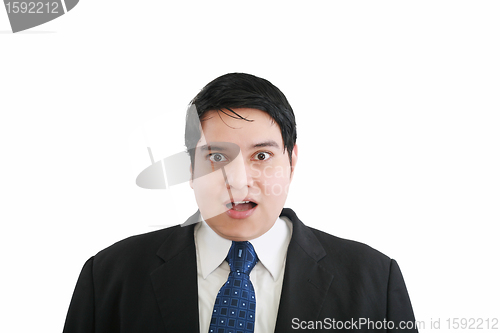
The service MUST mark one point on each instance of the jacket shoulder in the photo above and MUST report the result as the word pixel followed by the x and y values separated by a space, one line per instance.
pixel 332 250
pixel 135 251
pixel 140 246
pixel 350 253
pixel 142 242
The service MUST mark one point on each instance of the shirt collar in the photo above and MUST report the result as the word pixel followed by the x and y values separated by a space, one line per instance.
pixel 271 247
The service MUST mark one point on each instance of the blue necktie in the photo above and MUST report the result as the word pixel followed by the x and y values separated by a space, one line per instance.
pixel 234 308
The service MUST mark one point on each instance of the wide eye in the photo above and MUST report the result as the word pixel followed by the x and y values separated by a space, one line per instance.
pixel 217 158
pixel 262 156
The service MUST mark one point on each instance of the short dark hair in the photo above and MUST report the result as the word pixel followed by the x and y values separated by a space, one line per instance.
pixel 240 90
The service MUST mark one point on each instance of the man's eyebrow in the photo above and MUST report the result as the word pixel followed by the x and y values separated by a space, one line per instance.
pixel 218 147
pixel 268 143
pixel 212 147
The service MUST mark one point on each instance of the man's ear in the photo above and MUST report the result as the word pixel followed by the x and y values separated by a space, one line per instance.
pixel 191 179
pixel 295 156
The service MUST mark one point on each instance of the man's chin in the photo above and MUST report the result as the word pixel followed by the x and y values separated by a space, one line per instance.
pixel 237 230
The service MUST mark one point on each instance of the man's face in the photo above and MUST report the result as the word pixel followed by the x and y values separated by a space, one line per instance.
pixel 241 173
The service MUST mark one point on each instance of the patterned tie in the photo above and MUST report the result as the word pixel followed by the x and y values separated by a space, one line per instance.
pixel 234 309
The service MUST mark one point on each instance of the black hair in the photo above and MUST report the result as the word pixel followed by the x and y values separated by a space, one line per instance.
pixel 240 90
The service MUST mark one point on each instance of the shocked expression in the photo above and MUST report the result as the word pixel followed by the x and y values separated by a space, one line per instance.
pixel 241 173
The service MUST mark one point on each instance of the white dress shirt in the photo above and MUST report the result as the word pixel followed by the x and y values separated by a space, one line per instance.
pixel 266 276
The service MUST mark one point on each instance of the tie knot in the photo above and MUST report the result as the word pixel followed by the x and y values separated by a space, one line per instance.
pixel 242 257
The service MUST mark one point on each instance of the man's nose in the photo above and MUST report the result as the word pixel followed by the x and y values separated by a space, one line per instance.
pixel 238 174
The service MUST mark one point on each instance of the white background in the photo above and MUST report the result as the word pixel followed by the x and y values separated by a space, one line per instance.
pixel 397 106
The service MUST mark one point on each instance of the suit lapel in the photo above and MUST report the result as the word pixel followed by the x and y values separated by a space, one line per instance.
pixel 306 282
pixel 175 282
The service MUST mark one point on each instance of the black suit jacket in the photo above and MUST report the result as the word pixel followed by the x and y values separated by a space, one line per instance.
pixel 148 283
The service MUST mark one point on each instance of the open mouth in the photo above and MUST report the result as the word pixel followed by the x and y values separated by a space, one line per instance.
pixel 241 206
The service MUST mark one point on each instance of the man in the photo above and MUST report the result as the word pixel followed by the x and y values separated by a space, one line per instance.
pixel 249 265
